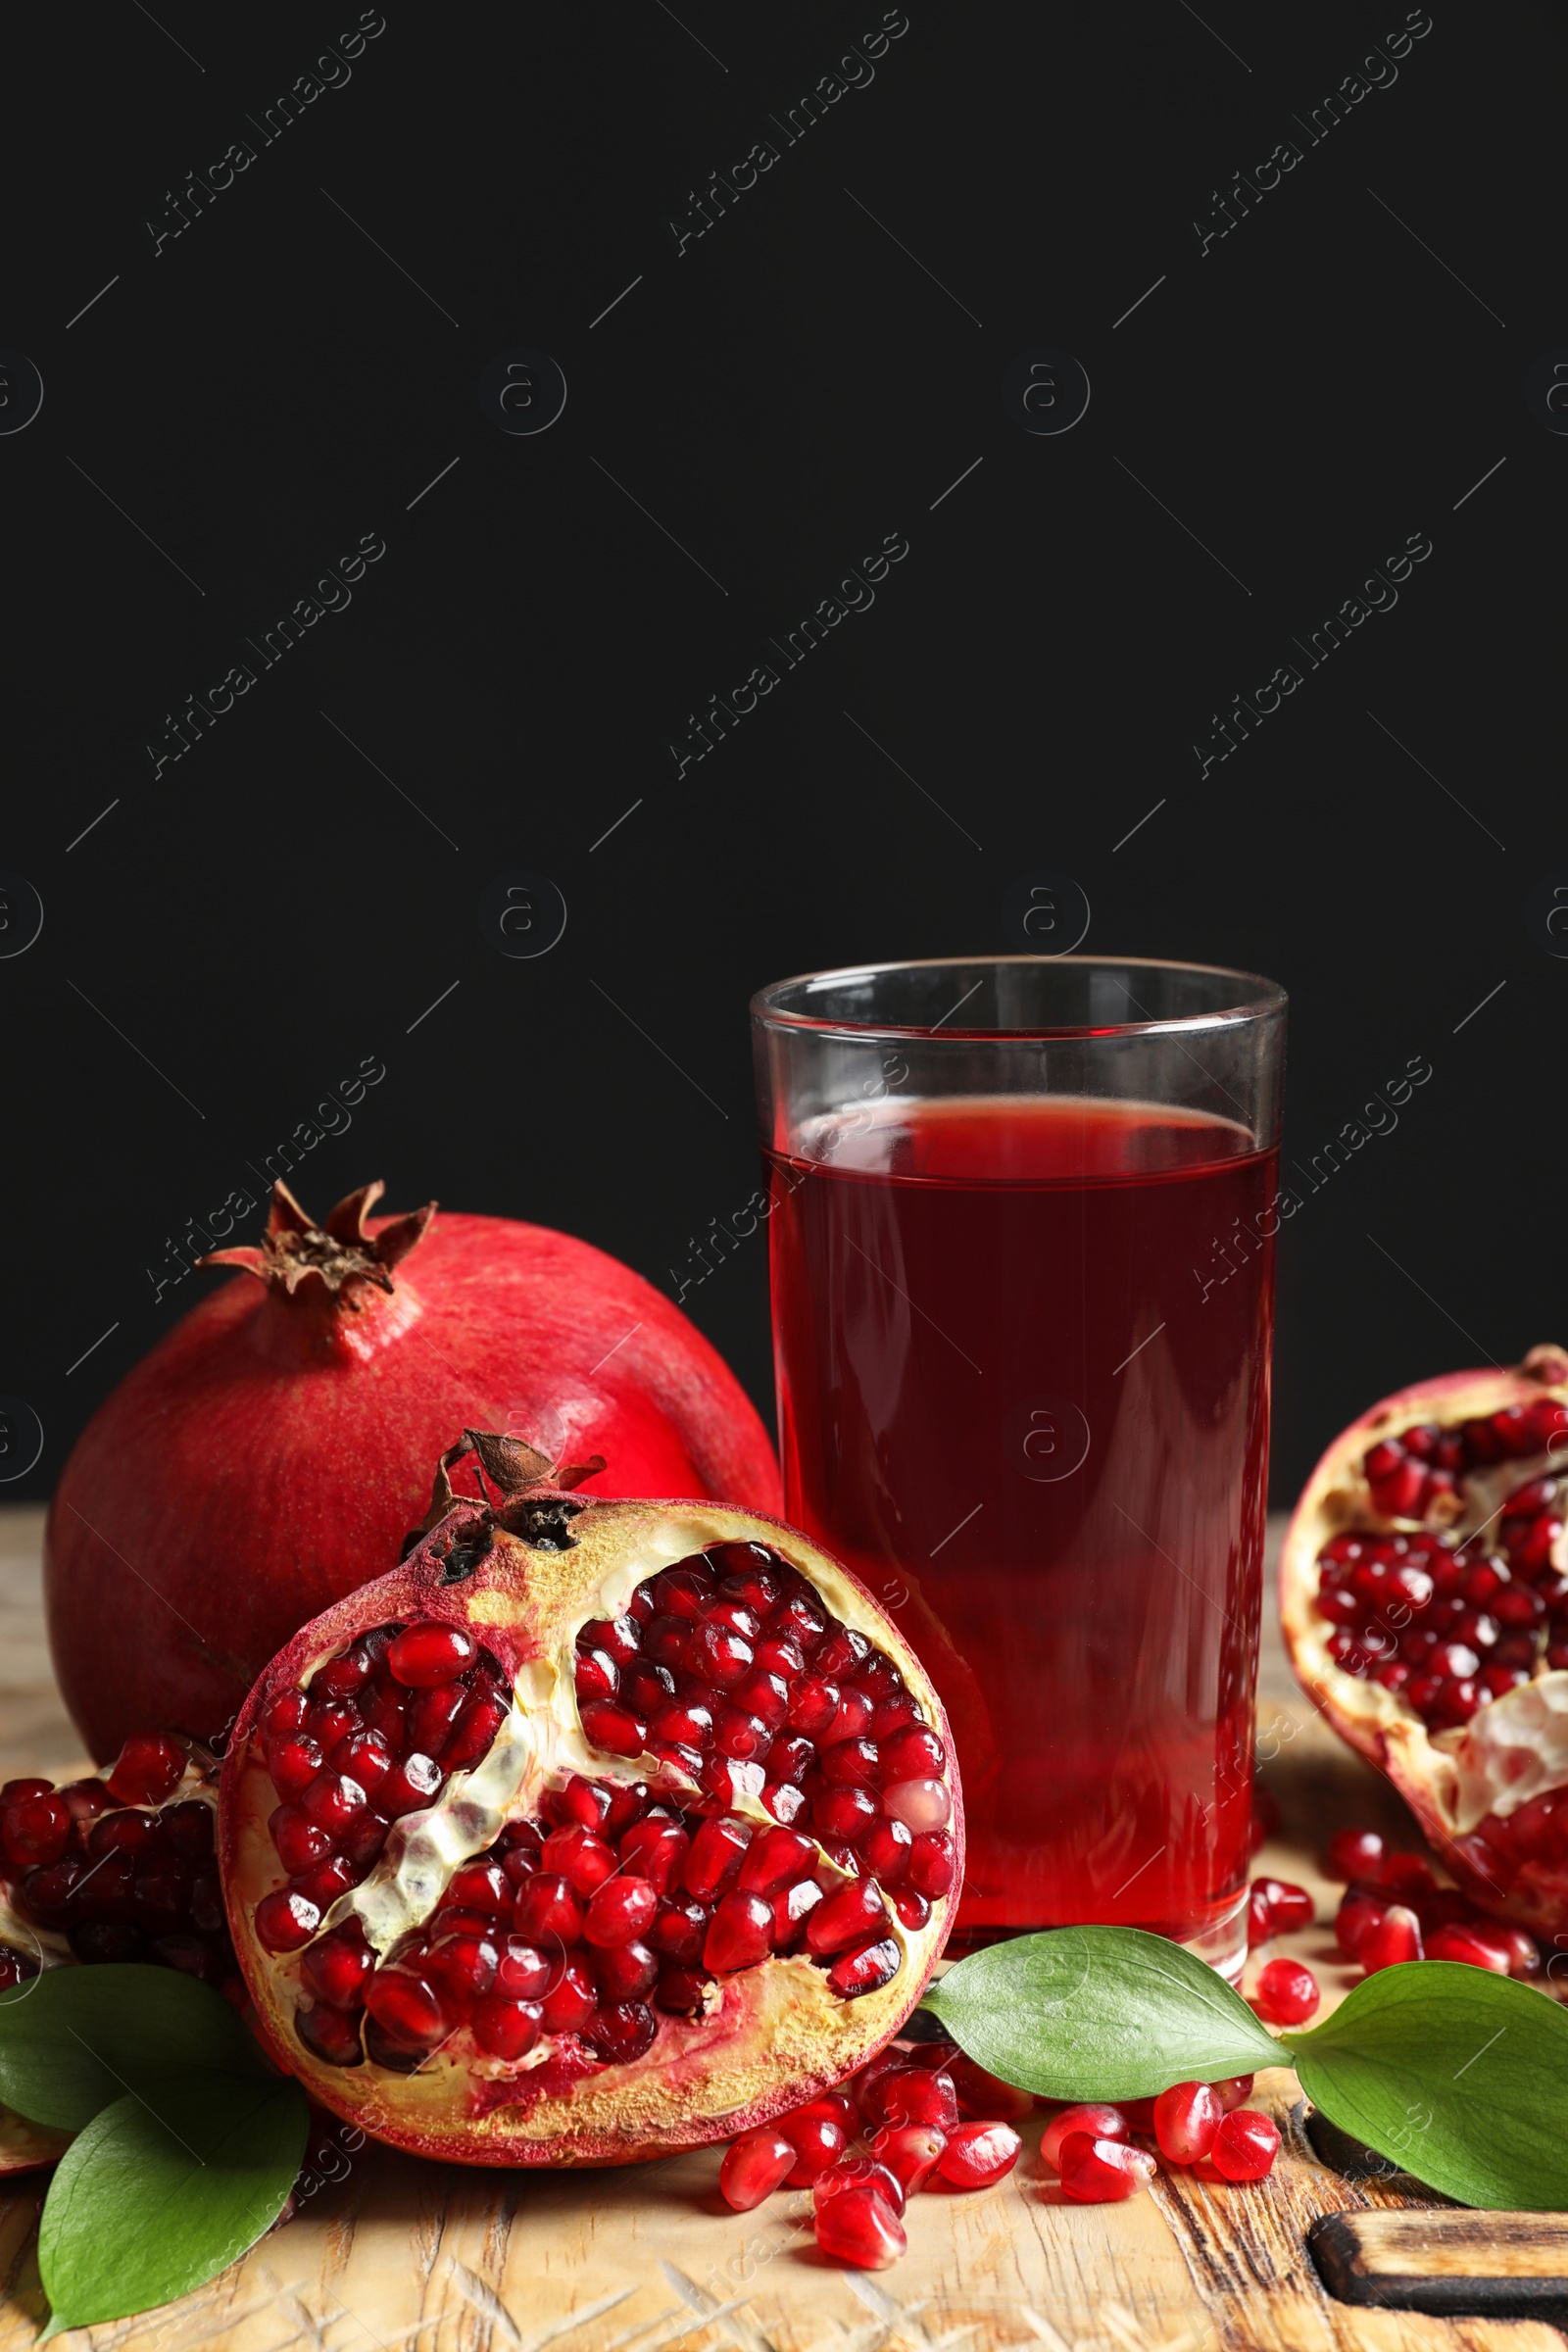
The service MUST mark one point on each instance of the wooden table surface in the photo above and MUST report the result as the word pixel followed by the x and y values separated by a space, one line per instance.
pixel 438 2259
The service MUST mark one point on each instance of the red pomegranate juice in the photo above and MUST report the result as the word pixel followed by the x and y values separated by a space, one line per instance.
pixel 1024 1364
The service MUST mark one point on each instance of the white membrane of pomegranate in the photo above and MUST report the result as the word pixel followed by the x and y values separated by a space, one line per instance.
pixel 540 1747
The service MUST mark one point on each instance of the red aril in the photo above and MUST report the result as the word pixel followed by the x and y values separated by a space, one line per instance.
pixel 1100 2172
pixel 1100 2123
pixel 1394 1938
pixel 986 2095
pixel 1353 1855
pixel 858 2172
pixel 977 2154
pixel 1245 2145
pixel 1286 1993
pixel 754 2165
pixel 1358 1913
pixel 1186 2120
pixel 345 1368
pixel 1424 1598
pixel 1474 1946
pixel 912 2152
pixel 861 2228
pixel 1234 2091
pixel 571 1958
pixel 1279 1908
pixel 921 2096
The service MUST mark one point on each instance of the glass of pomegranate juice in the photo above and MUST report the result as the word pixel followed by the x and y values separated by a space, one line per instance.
pixel 1021 1218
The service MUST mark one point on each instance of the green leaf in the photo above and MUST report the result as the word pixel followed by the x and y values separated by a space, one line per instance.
pixel 73 2040
pixel 157 2197
pixel 1098 2013
pixel 1456 2075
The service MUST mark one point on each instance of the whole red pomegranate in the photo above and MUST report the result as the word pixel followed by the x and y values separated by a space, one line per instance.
pixel 269 1452
pixel 594 1831
pixel 1424 1598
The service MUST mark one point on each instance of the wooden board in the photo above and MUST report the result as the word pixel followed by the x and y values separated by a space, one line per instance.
pixel 400 2254
pixel 1488 2264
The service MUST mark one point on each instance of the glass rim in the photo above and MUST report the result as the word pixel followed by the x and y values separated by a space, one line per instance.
pixel 1257 1000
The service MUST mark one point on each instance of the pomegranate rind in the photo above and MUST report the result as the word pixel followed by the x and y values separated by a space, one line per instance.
pixel 1514 1747
pixel 778 2035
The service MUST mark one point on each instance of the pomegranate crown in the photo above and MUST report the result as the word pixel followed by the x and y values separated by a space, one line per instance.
pixel 532 1491
pixel 340 1255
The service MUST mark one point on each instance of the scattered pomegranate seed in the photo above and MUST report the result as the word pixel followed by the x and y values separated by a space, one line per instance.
pixel 1186 2120
pixel 1285 1993
pixel 1100 2172
pixel 1361 1910
pixel 920 2096
pixel 860 2228
pixel 911 2152
pixel 1245 2145
pixel 1279 1908
pixel 1100 2123
pixel 1393 1937
pixel 1404 1876
pixel 1353 1855
pixel 1473 1945
pixel 858 2172
pixel 983 2096
pixel 1235 2091
pixel 754 2165
pixel 977 2154
pixel 817 2142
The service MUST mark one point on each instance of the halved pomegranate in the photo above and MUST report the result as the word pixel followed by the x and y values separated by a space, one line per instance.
pixel 595 1830
pixel 1424 1599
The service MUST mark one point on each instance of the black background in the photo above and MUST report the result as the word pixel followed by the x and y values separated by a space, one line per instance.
pixel 243 927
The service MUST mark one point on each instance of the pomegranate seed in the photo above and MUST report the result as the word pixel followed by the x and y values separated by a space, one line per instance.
pixel 623 1972
pixel 1354 1854
pixel 741 1736
pixel 147 1770
pixel 921 1804
pixel 731 1614
pixel 286 1921
pixel 681 1991
pixel 848 1917
pixel 778 1655
pixel 361 1844
pixel 340 1678
pixel 843 1813
pixel 284 1713
pixel 813 1705
pixel 932 1865
pixel 679 1930
pixel 1285 1993
pixel 127 1833
pixel 1100 2123
pixel 1406 1875
pixel 858 2172
pixel 336 1967
pixel 299 1841
pixel 597 1677
pixel 645 1689
pixel 504 2028
pixel 1234 2091
pixel 548 1910
pixel 1288 1907
pixel 754 2165
pixel 719 1655
pixel 852 1763
pixel 1360 1911
pixel 911 2152
pixel 405 2004
pixel 1099 2172
pixel 861 2228
pixel 481 1887
pixel 655 1849
pixel 621 2033
pixel 330 2035
pixel 1524 1953
pixel 792 1907
pixel 476 1727
pixel 841 1651
pixel 790 1758
pixel 715 1858
pixel 570 2001
pixel 865 1971
pixel 35 1829
pixel 685 1591
pixel 765 1695
pixel 774 1860
pixel 334 1801
pixel 837 2106
pixel 362 1756
pixel 977 2154
pixel 1186 2120
pixel 1394 1938
pixel 620 1911
pixel 321 1886
pixel 522 1973
pixel 1245 2145
pixel 463 1969
pixel 608 1725
pixel 986 2095
pixel 817 2141
pixel 424 1655
pixel 1473 1945
pixel 579 1856
pixel 741 1932
pixel 884 1850
pixel 413 1783
pixel 920 2097
pixel 856 1712
pixel 915 1755
pixel 294 1760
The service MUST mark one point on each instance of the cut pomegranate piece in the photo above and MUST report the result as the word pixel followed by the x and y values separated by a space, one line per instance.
pixel 1245 2145
pixel 1285 1993
pixel 521 1896
pixel 1424 1597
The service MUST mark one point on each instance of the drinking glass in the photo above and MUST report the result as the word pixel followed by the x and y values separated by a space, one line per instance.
pixel 1021 1220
